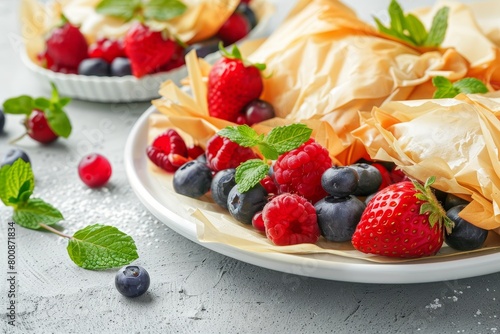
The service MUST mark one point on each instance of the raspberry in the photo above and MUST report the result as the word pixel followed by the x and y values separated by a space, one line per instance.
pixel 167 151
pixel 222 153
pixel 299 171
pixel 268 183
pixel 290 219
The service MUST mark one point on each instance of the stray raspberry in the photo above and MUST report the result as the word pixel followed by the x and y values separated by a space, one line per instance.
pixel 299 171
pixel 290 219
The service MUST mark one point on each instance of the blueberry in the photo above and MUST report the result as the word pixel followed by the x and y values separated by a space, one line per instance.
pixel 12 155
pixel 464 236
pixel 120 67
pixel 370 179
pixel 338 217
pixel 340 181
pixel 222 183
pixel 204 48
pixel 2 120
pixel 94 66
pixel 132 281
pixel 243 206
pixel 244 9
pixel 192 179
pixel 453 200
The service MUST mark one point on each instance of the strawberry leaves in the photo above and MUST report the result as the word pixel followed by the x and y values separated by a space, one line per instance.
pixel 280 140
pixel 159 10
pixel 408 28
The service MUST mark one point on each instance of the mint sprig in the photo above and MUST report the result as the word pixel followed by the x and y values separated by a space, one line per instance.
pixel 93 247
pixel 52 107
pixel 159 10
pixel 278 141
pixel 408 28
pixel 447 89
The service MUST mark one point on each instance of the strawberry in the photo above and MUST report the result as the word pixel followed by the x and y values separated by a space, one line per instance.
pixel 232 84
pixel 147 50
pixel 66 48
pixel 402 220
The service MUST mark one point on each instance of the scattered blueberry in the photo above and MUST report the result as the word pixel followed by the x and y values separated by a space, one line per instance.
pixel 2 120
pixel 204 48
pixel 370 179
pixel 193 179
pixel 94 66
pixel 453 200
pixel 132 281
pixel 464 236
pixel 244 9
pixel 243 206
pixel 222 183
pixel 120 67
pixel 258 111
pixel 338 217
pixel 12 155
pixel 340 181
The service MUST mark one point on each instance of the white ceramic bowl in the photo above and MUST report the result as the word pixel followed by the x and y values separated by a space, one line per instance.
pixel 127 88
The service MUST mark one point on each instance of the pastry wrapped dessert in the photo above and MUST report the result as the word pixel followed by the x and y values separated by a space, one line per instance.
pixel 366 95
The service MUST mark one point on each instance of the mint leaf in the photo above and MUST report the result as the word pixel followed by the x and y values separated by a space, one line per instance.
pixel 447 89
pixel 416 29
pixel 35 211
pixel 41 103
pixel 119 8
pixel 287 138
pixel 163 10
pixel 101 247
pixel 16 181
pixel 470 86
pixel 268 151
pixel 249 173
pixel 18 105
pixel 437 32
pixel 243 135
pixel 409 28
pixel 58 121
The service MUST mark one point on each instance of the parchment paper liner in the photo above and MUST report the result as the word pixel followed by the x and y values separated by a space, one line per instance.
pixel 320 77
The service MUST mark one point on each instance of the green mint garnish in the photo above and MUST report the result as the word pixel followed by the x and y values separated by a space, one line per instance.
pixel 411 30
pixel 159 10
pixel 93 247
pixel 53 109
pixel 278 141
pixel 446 89
pixel 101 247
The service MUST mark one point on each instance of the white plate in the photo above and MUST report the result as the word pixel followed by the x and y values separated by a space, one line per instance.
pixel 331 267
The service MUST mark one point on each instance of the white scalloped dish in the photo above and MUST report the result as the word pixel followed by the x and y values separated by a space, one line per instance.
pixel 127 88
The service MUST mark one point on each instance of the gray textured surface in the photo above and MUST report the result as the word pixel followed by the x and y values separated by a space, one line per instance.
pixel 193 290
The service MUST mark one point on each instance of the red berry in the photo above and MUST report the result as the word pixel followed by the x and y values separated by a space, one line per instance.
pixel 300 170
pixel 94 170
pixel 290 219
pixel 235 28
pixel 402 220
pixel 268 183
pixel 232 84
pixel 147 50
pixel 176 61
pixel 107 49
pixel 386 177
pixel 66 47
pixel 195 151
pixel 222 153
pixel 167 151
pixel 38 128
pixel 258 111
pixel 258 222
